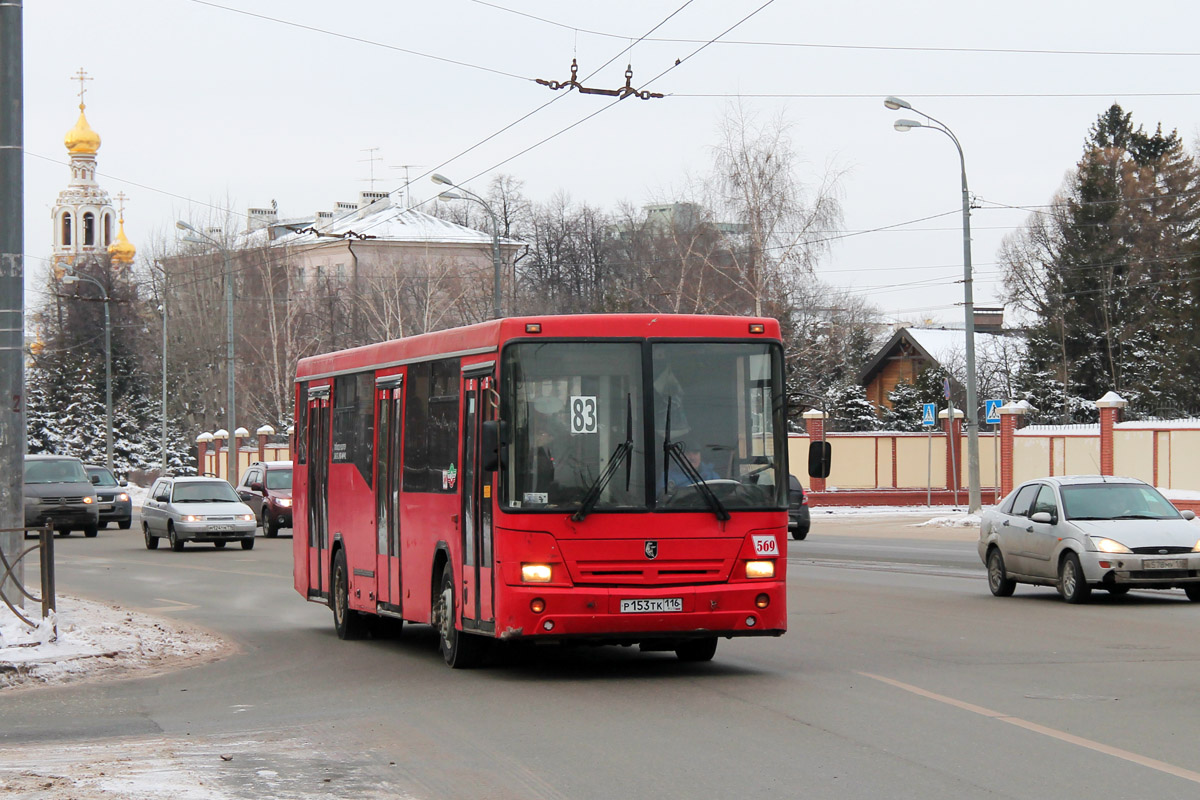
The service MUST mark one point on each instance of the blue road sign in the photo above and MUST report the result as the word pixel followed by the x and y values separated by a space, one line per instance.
pixel 929 415
pixel 946 388
pixel 991 410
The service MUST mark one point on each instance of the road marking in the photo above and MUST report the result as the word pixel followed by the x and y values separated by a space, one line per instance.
pixel 176 605
pixel 169 563
pixel 1062 736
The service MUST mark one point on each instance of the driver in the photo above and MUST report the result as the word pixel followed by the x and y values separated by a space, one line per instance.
pixel 677 477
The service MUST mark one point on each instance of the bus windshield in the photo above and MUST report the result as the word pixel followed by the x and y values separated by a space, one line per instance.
pixel 572 406
pixel 724 405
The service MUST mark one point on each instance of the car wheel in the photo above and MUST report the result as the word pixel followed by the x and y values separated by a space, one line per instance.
pixel 125 524
pixel 91 531
pixel 173 538
pixel 800 534
pixel 151 540
pixel 346 621
pixel 1071 583
pixel 248 544
pixel 998 580
pixel 220 545
pixel 460 650
pixel 1192 591
pixel 697 649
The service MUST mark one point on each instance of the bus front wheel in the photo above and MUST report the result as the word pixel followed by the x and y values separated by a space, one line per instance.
pixel 348 623
pixel 461 650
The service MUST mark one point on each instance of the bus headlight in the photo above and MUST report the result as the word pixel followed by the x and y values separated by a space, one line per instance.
pixel 760 569
pixel 535 573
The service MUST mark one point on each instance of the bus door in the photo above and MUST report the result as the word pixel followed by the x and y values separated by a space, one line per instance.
pixel 318 491
pixel 478 391
pixel 389 405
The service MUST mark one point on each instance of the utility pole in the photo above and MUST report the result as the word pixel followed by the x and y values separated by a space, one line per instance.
pixel 12 288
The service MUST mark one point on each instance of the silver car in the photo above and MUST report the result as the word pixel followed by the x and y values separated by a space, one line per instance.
pixel 1091 531
pixel 196 510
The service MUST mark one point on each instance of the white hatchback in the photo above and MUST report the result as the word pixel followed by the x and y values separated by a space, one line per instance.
pixel 196 510
pixel 1090 531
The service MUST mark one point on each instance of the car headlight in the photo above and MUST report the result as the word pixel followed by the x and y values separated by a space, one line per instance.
pixel 1196 549
pixel 33 501
pixel 535 573
pixel 87 501
pixel 1108 545
pixel 760 569
pixel 122 497
pixel 284 502
pixel 193 518
pixel 245 517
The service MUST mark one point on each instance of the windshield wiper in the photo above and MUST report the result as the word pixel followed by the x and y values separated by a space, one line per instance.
pixel 620 453
pixel 675 450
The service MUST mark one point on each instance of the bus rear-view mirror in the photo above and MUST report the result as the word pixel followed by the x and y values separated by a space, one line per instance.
pixel 819 455
pixel 492 441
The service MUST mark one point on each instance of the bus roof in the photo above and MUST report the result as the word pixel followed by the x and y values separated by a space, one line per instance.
pixel 486 337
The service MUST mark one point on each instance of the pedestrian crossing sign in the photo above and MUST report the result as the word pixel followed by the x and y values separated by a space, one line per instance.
pixel 929 415
pixel 991 411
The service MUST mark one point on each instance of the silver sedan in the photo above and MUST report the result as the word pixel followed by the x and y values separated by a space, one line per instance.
pixel 1084 532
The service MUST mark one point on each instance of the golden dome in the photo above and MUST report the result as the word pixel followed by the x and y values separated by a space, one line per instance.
pixel 122 250
pixel 81 138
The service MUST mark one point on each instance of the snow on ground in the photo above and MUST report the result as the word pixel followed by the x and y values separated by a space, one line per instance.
pixel 96 640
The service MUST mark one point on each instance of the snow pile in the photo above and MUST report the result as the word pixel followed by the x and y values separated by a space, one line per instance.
pixel 955 521
pixel 95 640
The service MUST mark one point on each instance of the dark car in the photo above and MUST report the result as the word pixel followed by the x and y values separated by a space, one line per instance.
pixel 57 490
pixel 798 519
pixel 114 502
pixel 266 486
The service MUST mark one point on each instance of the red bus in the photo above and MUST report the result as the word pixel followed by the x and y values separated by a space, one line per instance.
pixel 597 478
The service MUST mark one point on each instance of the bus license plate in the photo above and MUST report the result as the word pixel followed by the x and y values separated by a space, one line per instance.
pixel 654 605
pixel 1164 563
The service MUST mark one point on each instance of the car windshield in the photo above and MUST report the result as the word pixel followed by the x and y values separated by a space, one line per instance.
pixel 279 479
pixel 67 470
pixel 101 477
pixel 206 492
pixel 1116 501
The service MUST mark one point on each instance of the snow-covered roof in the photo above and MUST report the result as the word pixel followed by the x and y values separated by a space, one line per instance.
pixel 948 346
pixel 382 221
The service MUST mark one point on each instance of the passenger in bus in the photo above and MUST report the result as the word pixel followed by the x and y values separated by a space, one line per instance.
pixel 677 477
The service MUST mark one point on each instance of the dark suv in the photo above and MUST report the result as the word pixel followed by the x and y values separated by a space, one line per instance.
pixel 57 490
pixel 798 518
pixel 113 499
pixel 266 486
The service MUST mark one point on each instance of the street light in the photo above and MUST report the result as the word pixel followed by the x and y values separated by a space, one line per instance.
pixel 197 237
pixel 108 414
pixel 163 270
pixel 972 419
pixel 467 194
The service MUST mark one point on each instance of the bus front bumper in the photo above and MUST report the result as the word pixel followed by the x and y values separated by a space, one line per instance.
pixel 634 614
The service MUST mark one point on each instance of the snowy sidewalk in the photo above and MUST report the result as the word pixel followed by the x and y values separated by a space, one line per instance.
pixel 97 640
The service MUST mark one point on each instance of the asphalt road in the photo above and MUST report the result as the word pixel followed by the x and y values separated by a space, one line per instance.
pixel 900 677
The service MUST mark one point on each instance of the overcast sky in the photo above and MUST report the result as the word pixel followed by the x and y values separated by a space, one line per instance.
pixel 202 108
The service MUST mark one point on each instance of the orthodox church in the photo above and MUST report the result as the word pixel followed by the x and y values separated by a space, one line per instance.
pixel 83 217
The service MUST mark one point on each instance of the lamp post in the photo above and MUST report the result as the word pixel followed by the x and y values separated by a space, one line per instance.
pixel 163 270
pixel 467 194
pixel 196 237
pixel 972 410
pixel 108 414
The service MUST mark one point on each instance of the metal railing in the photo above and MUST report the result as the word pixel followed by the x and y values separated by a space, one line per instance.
pixel 10 585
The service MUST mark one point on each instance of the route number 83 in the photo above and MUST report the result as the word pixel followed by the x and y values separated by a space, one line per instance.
pixel 584 418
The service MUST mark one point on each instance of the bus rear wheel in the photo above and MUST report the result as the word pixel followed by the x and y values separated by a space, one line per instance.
pixel 697 649
pixel 347 622
pixel 460 650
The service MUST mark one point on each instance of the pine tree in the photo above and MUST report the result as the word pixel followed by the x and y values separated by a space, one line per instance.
pixel 907 408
